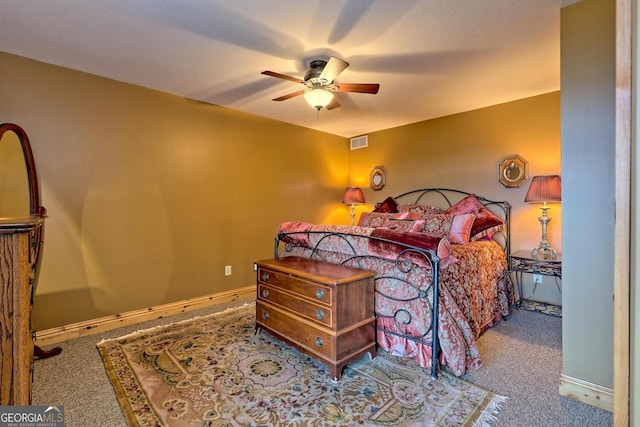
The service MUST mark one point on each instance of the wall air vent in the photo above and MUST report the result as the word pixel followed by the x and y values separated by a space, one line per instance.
pixel 359 142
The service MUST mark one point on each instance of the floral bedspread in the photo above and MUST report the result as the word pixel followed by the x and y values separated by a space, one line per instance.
pixel 473 293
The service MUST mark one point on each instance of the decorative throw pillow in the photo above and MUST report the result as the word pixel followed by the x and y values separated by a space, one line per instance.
pixel 485 224
pixel 460 231
pixel 381 219
pixel 388 205
pixel 363 219
pixel 420 209
pixel 456 228
pixel 406 216
pixel 403 225
pixel 375 219
pixel 383 245
pixel 437 224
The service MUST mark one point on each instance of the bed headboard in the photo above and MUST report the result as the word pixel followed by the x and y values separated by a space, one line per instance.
pixel 446 197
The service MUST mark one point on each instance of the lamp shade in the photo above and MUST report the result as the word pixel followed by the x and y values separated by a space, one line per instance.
pixel 353 196
pixel 318 98
pixel 544 188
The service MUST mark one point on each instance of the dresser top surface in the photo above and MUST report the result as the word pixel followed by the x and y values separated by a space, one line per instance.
pixel 315 269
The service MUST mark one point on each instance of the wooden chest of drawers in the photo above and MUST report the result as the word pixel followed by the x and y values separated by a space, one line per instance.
pixel 324 310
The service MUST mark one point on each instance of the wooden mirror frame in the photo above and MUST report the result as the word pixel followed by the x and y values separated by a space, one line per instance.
pixel 34 190
pixel 35 210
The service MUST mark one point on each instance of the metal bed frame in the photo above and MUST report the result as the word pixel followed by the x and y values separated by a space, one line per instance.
pixel 404 263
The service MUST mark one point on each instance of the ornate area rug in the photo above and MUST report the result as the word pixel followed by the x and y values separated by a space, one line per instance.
pixel 216 371
pixel 541 307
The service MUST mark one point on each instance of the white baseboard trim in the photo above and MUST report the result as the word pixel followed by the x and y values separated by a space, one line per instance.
pixel 107 323
pixel 586 392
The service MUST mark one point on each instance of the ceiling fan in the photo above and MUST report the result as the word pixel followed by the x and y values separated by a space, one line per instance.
pixel 320 85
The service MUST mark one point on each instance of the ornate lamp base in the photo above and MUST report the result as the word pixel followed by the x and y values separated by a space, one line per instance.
pixel 544 249
pixel 544 253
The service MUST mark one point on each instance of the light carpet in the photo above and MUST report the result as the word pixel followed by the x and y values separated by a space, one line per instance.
pixel 216 371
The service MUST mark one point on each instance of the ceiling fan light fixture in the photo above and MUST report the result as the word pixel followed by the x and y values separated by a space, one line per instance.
pixel 318 98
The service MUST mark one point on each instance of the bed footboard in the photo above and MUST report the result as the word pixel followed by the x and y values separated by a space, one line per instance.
pixel 406 280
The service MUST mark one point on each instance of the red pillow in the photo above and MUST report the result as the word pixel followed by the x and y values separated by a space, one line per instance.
pixel 387 206
pixel 485 224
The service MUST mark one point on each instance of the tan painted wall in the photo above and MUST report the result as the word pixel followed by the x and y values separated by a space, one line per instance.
pixel 463 151
pixel 150 195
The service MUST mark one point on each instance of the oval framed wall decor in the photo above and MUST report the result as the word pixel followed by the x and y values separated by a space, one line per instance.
pixel 377 178
pixel 513 171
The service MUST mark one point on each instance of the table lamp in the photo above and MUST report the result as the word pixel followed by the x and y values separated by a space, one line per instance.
pixel 353 196
pixel 543 189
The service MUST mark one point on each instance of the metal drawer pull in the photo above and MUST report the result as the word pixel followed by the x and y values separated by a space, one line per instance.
pixel 265 315
pixel 265 293
pixel 319 294
pixel 319 342
pixel 265 277
pixel 320 315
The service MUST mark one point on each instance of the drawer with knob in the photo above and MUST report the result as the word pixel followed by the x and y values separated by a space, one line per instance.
pixel 296 285
pixel 315 312
pixel 306 336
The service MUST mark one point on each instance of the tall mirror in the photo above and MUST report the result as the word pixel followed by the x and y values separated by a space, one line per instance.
pixel 20 192
pixel 14 181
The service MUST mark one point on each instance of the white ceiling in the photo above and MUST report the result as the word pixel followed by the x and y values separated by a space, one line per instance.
pixel 432 58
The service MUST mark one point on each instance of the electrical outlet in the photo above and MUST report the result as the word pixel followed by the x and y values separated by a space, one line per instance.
pixel 537 279
pixel 227 270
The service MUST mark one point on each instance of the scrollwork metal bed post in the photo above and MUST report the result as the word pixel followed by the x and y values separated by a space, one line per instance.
pixel 435 344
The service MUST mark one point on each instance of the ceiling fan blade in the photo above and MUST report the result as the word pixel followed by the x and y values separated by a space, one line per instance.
pixel 334 67
pixel 289 96
pixel 333 104
pixel 357 87
pixel 282 76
